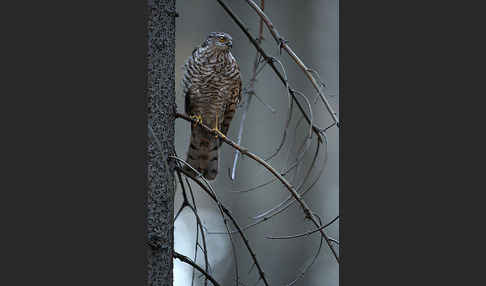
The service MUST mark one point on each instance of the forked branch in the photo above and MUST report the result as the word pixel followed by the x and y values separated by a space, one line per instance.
pixel 307 211
pixel 283 45
pixel 233 220
pixel 270 62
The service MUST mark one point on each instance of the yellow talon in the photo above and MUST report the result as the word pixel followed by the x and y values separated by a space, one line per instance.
pixel 216 129
pixel 198 119
pixel 218 133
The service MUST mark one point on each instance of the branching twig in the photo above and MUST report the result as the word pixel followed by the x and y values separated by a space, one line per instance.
pixel 266 218
pixel 199 226
pixel 269 60
pixel 295 195
pixel 283 44
pixel 235 223
pixel 293 182
pixel 310 264
pixel 298 188
pixel 289 113
pixel 208 185
pixel 290 197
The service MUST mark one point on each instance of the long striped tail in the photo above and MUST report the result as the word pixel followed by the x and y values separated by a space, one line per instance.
pixel 203 152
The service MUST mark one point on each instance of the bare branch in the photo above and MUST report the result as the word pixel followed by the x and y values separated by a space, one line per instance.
pixel 283 44
pixel 268 59
pixel 250 93
pixel 309 265
pixel 271 109
pixel 295 195
pixel 266 218
pixel 334 240
pixel 298 188
pixel 305 234
pixel 256 187
pixel 289 114
pixel 283 172
pixel 187 260
pixel 212 195
pixel 183 206
pixel 199 175
pixel 199 225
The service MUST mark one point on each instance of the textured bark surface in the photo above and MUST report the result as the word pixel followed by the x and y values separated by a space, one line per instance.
pixel 160 170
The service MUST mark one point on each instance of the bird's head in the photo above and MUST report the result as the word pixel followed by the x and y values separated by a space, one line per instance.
pixel 219 40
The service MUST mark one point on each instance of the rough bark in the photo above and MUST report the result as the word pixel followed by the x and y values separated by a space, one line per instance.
pixel 160 170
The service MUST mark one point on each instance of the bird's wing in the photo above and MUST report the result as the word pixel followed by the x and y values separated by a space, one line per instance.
pixel 231 106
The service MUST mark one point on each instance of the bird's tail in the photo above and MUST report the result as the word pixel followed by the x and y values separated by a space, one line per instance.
pixel 203 152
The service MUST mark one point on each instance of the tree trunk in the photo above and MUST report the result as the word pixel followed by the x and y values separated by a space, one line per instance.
pixel 160 170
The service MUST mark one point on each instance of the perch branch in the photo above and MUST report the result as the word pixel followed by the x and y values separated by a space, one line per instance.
pixel 297 196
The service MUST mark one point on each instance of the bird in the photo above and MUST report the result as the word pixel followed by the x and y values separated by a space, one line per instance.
pixel 211 84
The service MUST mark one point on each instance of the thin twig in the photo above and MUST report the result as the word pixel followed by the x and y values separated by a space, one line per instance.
pixel 289 114
pixel 256 187
pixel 268 59
pixel 199 225
pixel 302 194
pixel 334 240
pixel 283 172
pixel 290 188
pixel 304 234
pixel 199 175
pixel 310 264
pixel 187 260
pixel 283 44
pixel 212 195
pixel 267 218
pixel 271 109
pixel 250 94
pixel 298 188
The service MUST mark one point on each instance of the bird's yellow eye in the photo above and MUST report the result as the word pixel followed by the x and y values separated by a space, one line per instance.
pixel 221 39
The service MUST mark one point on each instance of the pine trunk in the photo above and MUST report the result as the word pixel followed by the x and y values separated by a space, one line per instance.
pixel 160 169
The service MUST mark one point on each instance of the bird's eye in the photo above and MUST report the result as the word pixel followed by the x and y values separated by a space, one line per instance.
pixel 221 39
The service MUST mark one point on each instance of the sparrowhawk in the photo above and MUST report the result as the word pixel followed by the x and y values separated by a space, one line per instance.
pixel 212 89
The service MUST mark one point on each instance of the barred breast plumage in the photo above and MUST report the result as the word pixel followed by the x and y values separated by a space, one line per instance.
pixel 212 88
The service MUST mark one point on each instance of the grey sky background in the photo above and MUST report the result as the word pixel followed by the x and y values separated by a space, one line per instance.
pixel 311 27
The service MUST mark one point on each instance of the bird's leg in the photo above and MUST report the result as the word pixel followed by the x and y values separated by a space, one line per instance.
pixel 198 119
pixel 216 129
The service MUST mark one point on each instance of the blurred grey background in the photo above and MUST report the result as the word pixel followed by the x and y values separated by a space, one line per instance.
pixel 311 27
